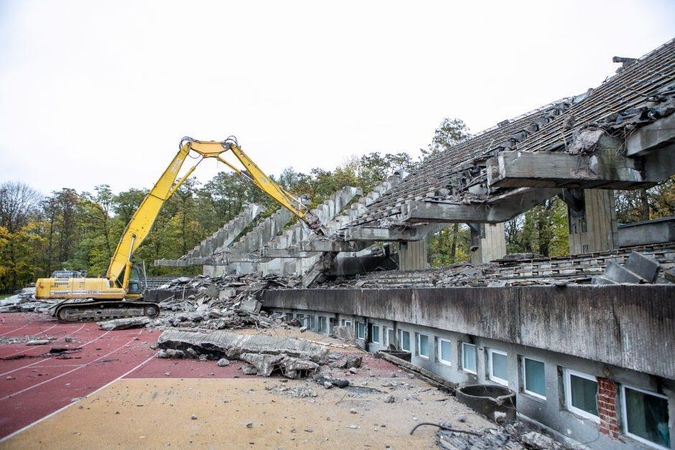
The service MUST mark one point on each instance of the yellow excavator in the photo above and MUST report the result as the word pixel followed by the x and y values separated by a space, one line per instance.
pixel 120 293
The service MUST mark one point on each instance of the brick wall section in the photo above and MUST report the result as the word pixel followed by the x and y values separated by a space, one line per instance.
pixel 607 408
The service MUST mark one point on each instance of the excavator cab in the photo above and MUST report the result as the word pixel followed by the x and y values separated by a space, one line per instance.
pixel 137 281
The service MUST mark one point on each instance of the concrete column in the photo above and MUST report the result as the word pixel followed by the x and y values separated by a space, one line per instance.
pixel 593 225
pixel 412 255
pixel 488 242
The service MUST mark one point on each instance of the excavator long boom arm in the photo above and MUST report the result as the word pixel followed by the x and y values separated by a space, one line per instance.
pixel 141 222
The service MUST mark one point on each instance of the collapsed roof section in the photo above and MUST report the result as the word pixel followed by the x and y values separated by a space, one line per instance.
pixel 616 136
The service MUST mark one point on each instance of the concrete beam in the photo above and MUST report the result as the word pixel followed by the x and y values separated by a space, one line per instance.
pixel 498 209
pixel 562 170
pixel 373 234
pixel 651 137
pixel 660 164
pixel 311 248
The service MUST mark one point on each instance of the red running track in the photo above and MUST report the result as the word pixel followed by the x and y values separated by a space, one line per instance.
pixel 36 382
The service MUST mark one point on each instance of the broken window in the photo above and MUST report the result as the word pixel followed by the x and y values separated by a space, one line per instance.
pixel 323 325
pixel 444 351
pixel 404 339
pixel 645 416
pixel 423 345
pixel 497 366
pixel 534 380
pixel 581 392
pixel 375 334
pixel 391 337
pixel 469 357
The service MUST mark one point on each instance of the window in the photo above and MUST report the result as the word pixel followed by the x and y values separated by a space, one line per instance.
pixel 645 416
pixel 534 379
pixel 360 330
pixel 497 366
pixel 385 342
pixel 300 317
pixel 423 345
pixel 375 334
pixel 444 351
pixel 312 322
pixel 404 338
pixel 469 357
pixel 581 391
pixel 348 323
pixel 289 316
pixel 323 324
pixel 391 337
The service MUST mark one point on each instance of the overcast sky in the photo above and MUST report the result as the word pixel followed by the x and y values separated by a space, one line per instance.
pixel 98 92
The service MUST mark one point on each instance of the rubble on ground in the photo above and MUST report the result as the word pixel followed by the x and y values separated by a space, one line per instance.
pixel 513 436
pixel 216 303
pixel 24 301
pixel 293 358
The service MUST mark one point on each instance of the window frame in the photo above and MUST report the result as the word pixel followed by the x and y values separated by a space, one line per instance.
pixel 439 353
pixel 373 338
pixel 567 373
pixel 323 324
pixel 624 415
pixel 524 371
pixel 419 345
pixel 491 375
pixel 475 358
pixel 400 337
pixel 360 330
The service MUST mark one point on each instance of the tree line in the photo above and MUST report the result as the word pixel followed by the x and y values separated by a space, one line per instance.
pixel 80 230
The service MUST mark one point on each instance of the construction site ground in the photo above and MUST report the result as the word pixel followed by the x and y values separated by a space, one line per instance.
pixel 76 386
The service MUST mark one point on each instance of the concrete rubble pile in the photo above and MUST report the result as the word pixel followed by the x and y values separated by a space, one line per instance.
pixel 512 436
pixel 293 358
pixel 265 354
pixel 24 301
pixel 653 264
pixel 212 303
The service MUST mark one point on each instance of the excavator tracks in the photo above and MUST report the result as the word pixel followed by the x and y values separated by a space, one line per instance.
pixel 97 310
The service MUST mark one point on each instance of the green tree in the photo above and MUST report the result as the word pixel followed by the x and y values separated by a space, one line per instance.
pixel 646 204
pixel 542 230
pixel 19 207
pixel 100 235
pixel 445 246
pixel 449 133
pixel 449 246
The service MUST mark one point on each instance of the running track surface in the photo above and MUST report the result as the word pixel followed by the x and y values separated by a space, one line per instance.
pixel 36 381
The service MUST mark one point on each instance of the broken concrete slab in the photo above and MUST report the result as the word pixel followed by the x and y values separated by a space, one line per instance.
pixel 288 366
pixel 249 306
pixel 39 341
pixel 124 323
pixel 292 357
pixel 643 266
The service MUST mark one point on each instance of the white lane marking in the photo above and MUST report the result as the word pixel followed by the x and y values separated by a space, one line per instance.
pixel 71 404
pixel 66 373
